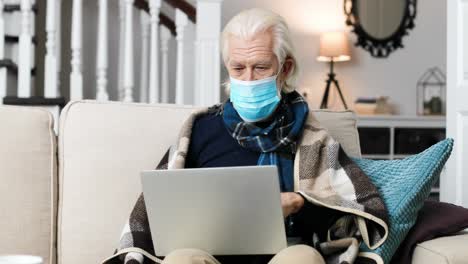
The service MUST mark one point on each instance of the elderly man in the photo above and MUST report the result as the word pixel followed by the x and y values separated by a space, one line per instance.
pixel 266 122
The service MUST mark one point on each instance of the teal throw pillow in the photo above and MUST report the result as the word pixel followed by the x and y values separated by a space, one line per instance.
pixel 404 185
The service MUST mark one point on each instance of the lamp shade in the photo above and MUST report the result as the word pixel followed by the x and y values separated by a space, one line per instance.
pixel 334 46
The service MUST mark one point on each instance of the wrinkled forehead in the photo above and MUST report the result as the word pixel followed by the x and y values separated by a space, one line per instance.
pixel 259 47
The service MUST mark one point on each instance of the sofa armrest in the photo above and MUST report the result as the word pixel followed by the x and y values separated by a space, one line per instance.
pixel 28 173
pixel 444 250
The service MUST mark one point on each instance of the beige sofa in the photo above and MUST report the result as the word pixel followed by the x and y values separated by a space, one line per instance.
pixel 67 200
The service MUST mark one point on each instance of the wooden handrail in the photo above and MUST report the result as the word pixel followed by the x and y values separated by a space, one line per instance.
pixel 183 5
pixel 163 19
pixel 168 22
pixel 142 4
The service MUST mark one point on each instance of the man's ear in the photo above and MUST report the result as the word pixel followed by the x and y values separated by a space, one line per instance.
pixel 287 68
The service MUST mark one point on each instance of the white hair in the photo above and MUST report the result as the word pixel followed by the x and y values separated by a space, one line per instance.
pixel 250 22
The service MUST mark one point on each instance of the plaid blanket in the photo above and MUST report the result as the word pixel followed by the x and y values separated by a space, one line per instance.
pixel 323 174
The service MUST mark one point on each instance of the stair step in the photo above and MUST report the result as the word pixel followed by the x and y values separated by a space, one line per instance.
pixel 15 8
pixel 11 39
pixel 11 66
pixel 15 39
pixel 34 101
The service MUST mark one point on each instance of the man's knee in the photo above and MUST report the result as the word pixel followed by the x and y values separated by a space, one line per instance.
pixel 299 254
pixel 189 256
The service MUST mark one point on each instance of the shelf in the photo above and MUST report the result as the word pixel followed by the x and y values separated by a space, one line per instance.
pixel 401 121
pixel 403 117
pixel 402 156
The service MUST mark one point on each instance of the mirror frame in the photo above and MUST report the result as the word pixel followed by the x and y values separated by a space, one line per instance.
pixel 380 47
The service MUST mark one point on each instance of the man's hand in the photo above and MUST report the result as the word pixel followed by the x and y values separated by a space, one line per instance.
pixel 291 202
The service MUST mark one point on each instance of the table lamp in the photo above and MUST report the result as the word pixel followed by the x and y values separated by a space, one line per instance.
pixel 334 47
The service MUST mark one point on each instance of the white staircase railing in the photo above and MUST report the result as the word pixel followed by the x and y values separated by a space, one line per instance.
pixel 58 40
pixel 76 77
pixel 53 49
pixel 181 21
pixel 165 37
pixel 3 71
pixel 102 53
pixel 51 88
pixel 197 59
pixel 128 52
pixel 154 94
pixel 121 49
pixel 25 44
pixel 144 71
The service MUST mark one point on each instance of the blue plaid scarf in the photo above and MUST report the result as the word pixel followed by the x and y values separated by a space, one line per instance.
pixel 276 138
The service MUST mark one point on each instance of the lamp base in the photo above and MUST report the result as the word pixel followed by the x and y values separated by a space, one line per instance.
pixel 331 80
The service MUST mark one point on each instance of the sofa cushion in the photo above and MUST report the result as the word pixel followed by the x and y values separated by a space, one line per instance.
pixel 342 126
pixel 404 185
pixel 103 147
pixel 27 182
pixel 444 250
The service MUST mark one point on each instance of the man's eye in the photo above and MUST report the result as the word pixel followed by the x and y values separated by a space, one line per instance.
pixel 261 68
pixel 238 69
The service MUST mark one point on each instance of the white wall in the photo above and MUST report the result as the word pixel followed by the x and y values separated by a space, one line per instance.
pixel 396 76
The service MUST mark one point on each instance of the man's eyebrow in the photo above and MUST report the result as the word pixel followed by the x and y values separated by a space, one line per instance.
pixel 266 63
pixel 263 63
pixel 235 63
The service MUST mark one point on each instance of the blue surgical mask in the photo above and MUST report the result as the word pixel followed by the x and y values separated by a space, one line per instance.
pixel 254 100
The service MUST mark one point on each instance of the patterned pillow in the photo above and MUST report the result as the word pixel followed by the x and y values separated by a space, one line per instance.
pixel 404 185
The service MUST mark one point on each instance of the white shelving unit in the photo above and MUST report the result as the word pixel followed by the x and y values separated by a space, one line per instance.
pixel 395 122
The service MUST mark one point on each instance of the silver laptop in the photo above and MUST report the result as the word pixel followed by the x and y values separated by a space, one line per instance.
pixel 223 211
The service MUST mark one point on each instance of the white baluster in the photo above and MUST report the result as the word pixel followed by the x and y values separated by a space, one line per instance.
pixel 145 22
pixel 128 57
pixel 102 50
pixel 59 42
pixel 50 78
pixel 165 36
pixel 121 48
pixel 181 21
pixel 154 5
pixel 207 55
pixel 3 76
pixel 25 46
pixel 76 77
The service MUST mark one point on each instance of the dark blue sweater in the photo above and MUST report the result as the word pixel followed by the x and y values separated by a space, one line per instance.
pixel 212 146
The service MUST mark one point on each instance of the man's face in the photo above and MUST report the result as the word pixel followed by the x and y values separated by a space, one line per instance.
pixel 252 59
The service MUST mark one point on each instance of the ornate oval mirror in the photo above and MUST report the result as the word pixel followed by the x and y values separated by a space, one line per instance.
pixel 380 24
